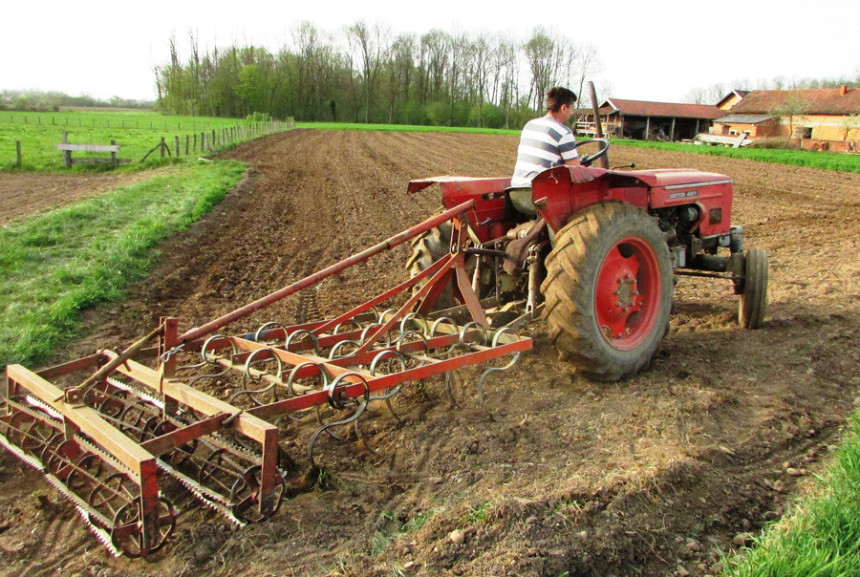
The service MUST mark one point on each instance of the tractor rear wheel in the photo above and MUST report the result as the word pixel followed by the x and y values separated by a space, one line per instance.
pixel 608 290
pixel 753 304
pixel 427 249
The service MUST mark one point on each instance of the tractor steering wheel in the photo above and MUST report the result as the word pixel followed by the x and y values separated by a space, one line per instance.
pixel 589 158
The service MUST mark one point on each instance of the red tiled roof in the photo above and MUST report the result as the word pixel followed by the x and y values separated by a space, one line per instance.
pixel 821 101
pixel 663 109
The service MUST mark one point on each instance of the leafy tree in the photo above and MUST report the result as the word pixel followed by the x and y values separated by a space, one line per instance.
pixel 790 108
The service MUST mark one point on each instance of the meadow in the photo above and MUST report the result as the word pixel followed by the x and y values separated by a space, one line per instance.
pixel 137 133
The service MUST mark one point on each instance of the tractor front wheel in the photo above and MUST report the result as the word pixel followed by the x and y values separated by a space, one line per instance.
pixel 608 290
pixel 753 304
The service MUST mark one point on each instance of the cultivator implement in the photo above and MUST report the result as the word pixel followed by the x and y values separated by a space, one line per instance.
pixel 213 411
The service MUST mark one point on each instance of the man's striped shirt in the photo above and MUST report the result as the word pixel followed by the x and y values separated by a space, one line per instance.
pixel 544 143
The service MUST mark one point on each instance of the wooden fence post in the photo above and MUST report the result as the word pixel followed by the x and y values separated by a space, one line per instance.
pixel 214 141
pixel 176 142
pixel 113 161
pixel 162 147
pixel 18 151
pixel 67 154
pixel 187 140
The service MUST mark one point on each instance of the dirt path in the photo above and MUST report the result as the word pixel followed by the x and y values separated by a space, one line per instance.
pixel 648 477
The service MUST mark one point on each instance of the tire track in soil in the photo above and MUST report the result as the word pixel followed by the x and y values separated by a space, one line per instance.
pixel 572 475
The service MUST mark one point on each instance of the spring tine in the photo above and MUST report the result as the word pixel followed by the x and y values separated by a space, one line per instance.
pixel 449 387
pixel 335 350
pixel 353 322
pixel 394 390
pixel 470 326
pixel 265 327
pixel 360 436
pixel 337 402
pixel 303 332
pixel 406 318
pixel 490 370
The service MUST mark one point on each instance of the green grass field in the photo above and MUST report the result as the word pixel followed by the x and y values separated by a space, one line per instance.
pixel 54 265
pixel 136 132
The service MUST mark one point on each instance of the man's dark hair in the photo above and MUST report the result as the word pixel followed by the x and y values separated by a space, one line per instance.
pixel 558 96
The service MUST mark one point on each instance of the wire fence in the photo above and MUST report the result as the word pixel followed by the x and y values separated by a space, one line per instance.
pixel 43 152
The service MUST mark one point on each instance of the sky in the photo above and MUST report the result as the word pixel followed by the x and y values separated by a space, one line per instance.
pixel 657 50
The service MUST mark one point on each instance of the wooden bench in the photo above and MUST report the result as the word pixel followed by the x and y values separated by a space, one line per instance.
pixel 68 148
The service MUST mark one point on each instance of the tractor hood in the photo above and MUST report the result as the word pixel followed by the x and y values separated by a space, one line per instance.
pixel 658 178
pixel 671 177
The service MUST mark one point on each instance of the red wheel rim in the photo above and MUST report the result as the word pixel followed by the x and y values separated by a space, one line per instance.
pixel 628 293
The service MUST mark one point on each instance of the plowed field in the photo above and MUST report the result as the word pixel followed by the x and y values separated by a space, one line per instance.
pixel 652 476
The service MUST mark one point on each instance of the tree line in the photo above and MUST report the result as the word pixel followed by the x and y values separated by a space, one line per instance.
pixel 368 74
pixel 39 101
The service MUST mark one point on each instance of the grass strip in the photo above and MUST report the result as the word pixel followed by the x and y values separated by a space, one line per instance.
pixel 822 537
pixel 54 265
pixel 837 162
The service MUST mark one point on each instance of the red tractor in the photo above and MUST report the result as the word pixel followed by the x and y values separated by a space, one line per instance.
pixel 598 250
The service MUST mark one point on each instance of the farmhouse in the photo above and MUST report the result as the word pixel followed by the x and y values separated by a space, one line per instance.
pixel 643 120
pixel 732 98
pixel 820 118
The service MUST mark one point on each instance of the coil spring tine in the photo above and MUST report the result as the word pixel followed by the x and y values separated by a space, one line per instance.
pixel 353 322
pixel 206 361
pixel 389 394
pixel 383 314
pixel 303 332
pixel 367 330
pixel 449 387
pixel 440 321
pixel 402 339
pixel 333 353
pixel 406 318
pixel 291 379
pixel 336 403
pixel 491 370
pixel 473 325
pixel 203 360
pixel 293 374
pixel 246 375
pixel 267 327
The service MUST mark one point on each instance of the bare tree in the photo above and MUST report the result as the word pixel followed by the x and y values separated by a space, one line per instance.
pixel 545 55
pixel 436 48
pixel 370 43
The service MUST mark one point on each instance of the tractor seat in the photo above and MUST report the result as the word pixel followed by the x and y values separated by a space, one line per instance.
pixel 521 199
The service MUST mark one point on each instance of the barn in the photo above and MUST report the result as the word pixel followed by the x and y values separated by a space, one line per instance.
pixel 643 120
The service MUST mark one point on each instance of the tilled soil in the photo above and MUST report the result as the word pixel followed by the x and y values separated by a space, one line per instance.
pixel 652 476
